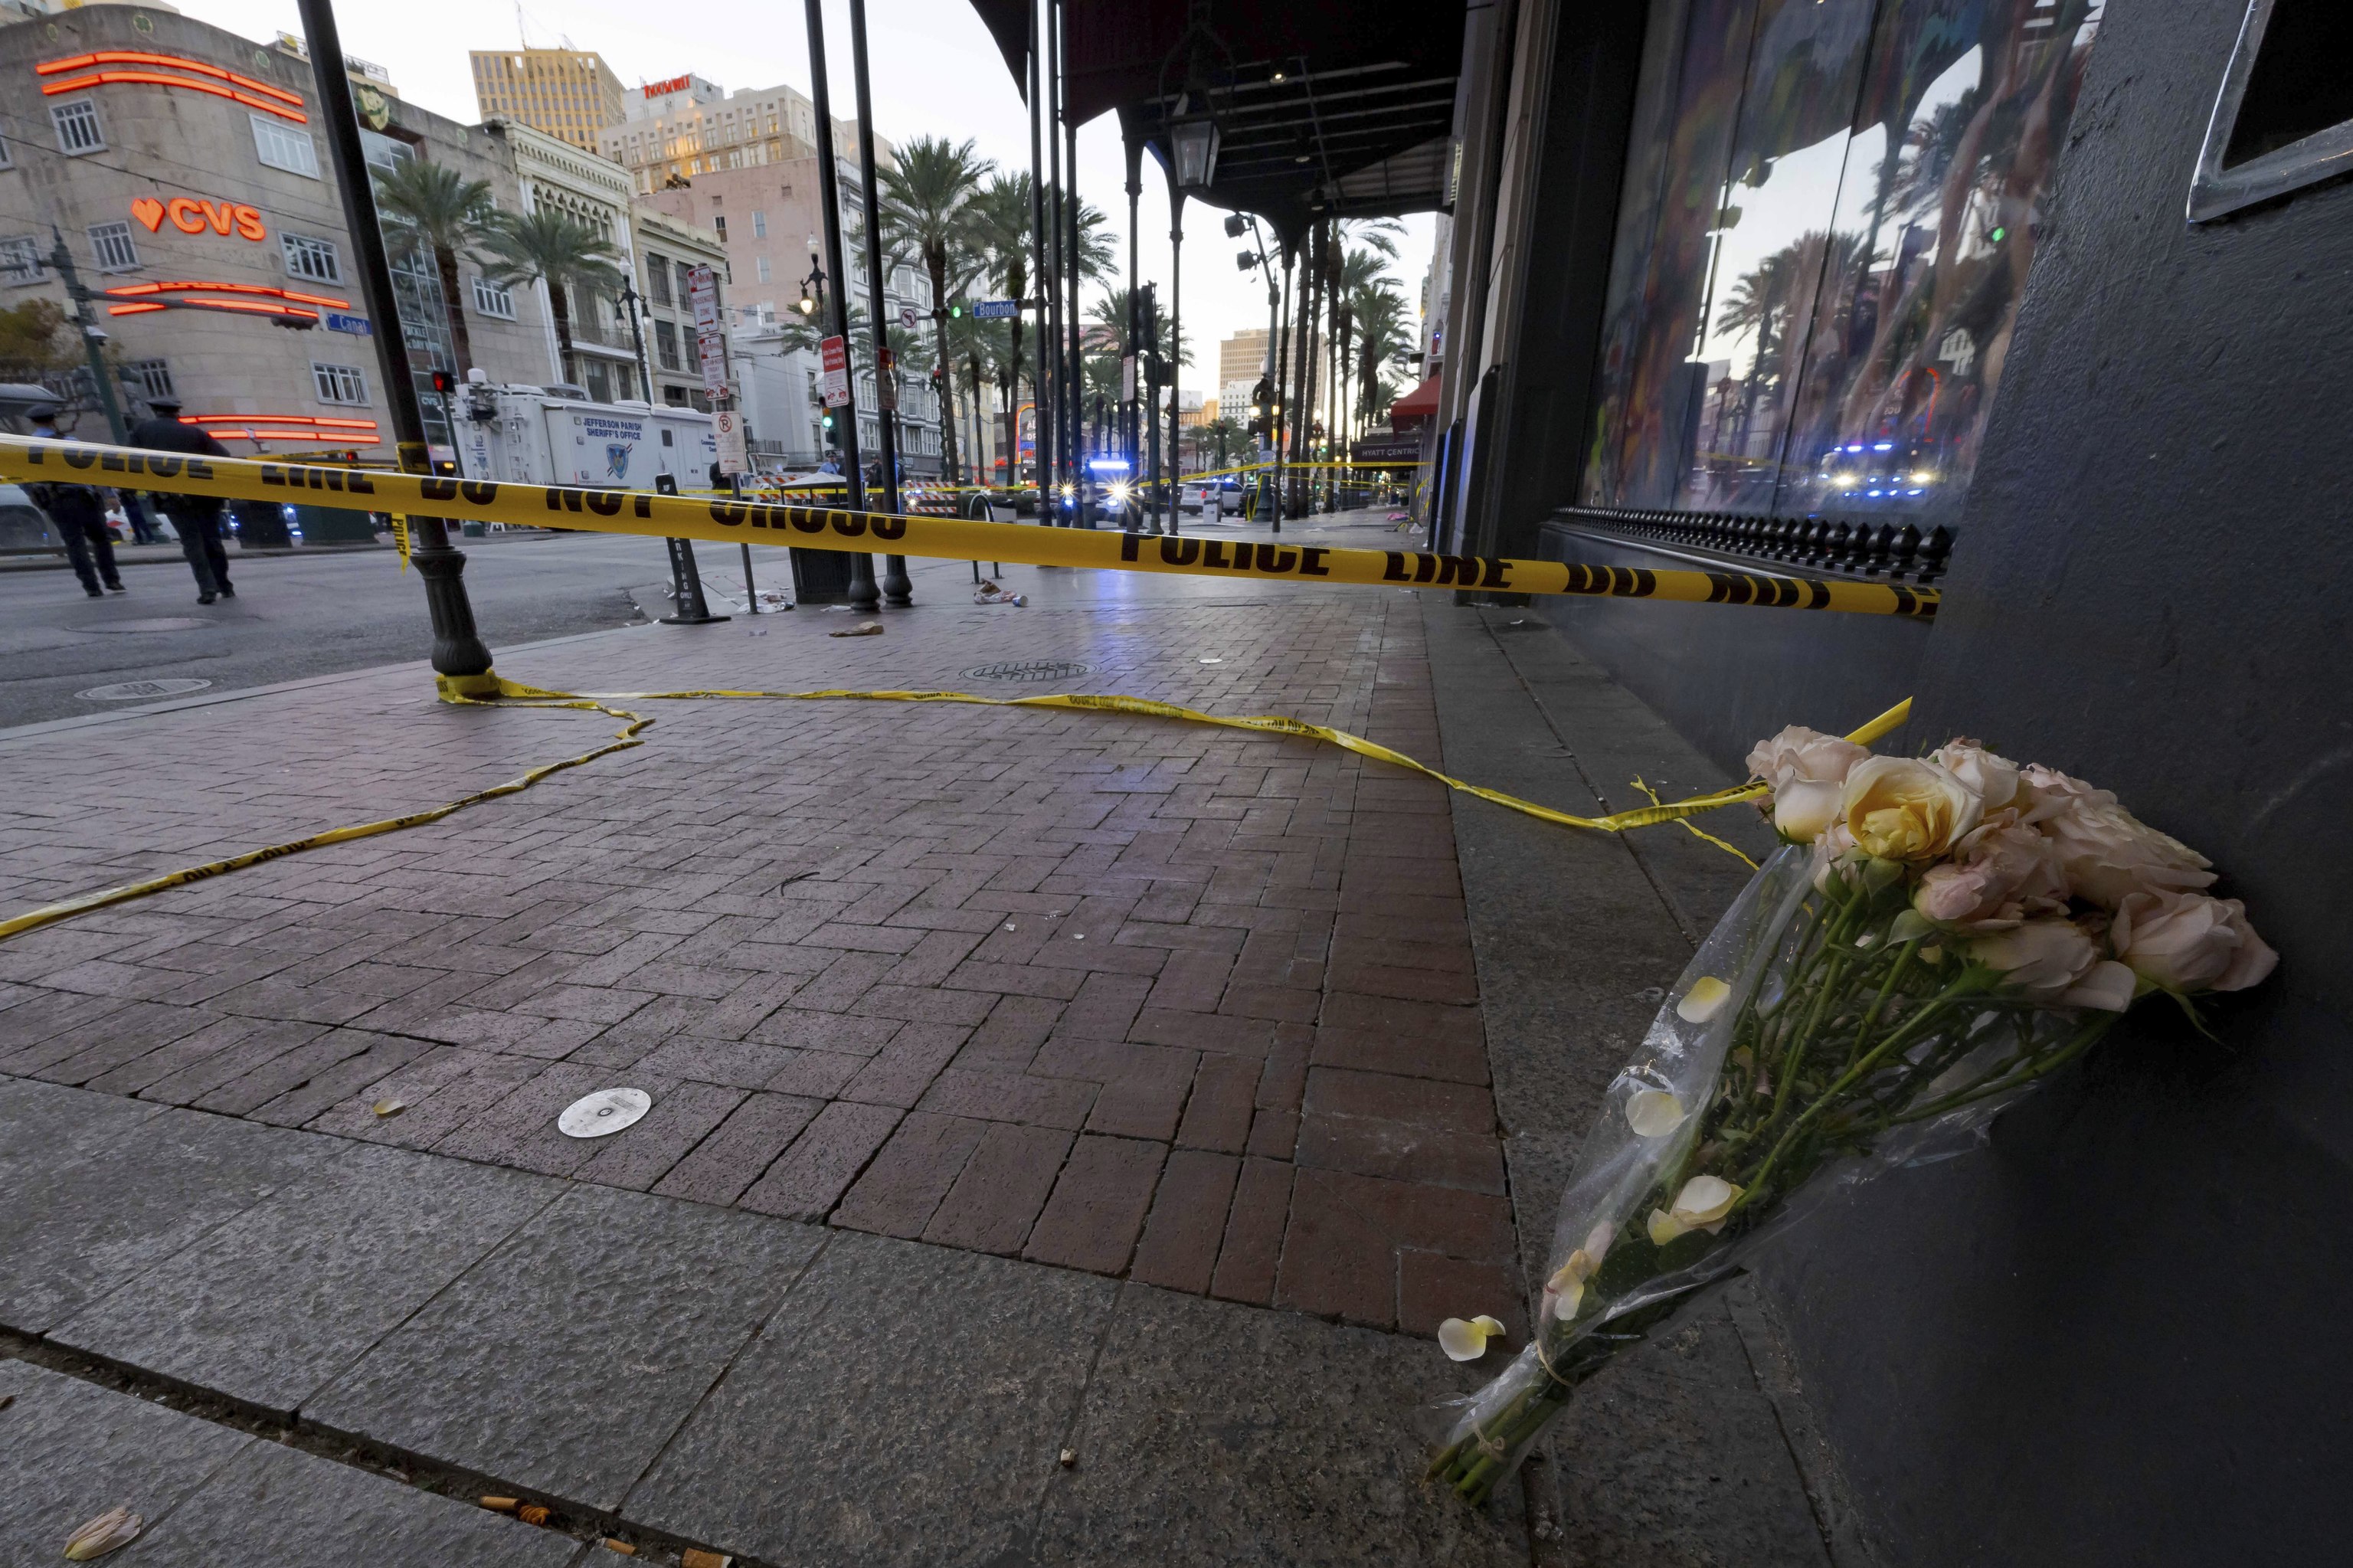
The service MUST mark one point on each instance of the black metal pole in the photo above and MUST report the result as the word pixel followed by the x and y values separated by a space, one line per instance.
pixel 863 594
pixel 896 588
pixel 1130 424
pixel 92 341
pixel 1282 411
pixel 1176 345
pixel 1065 432
pixel 1042 444
pixel 1078 349
pixel 458 647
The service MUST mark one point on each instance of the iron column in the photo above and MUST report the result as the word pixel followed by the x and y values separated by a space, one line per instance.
pixel 457 648
pixel 863 594
pixel 896 589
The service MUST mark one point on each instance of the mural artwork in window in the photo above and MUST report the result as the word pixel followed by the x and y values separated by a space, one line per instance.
pixel 1830 211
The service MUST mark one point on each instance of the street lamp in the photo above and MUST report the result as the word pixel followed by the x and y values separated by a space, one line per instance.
pixel 1196 139
pixel 812 286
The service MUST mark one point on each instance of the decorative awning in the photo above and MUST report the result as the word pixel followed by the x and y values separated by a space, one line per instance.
pixel 1339 107
pixel 1408 411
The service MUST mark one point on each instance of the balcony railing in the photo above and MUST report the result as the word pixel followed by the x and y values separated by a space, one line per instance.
pixel 1886 551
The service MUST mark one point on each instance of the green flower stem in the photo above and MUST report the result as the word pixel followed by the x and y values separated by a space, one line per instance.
pixel 1985 1087
pixel 1968 980
pixel 1879 1003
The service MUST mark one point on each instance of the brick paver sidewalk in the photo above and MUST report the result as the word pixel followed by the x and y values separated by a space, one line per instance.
pixel 1116 994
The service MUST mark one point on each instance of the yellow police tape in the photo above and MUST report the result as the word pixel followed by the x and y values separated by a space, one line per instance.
pixel 823 528
pixel 492 690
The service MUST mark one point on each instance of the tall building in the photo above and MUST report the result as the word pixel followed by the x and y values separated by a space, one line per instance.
pixel 685 127
pixel 569 94
pixel 1242 357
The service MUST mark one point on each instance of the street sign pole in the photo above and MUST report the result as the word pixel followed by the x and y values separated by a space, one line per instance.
pixel 458 647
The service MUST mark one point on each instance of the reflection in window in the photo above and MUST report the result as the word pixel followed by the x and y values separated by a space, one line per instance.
pixel 1829 214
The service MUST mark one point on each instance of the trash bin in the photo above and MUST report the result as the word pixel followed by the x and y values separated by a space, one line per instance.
pixel 820 576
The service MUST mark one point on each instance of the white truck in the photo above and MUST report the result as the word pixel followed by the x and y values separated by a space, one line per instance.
pixel 530 435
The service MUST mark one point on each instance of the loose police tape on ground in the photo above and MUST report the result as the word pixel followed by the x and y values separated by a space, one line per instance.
pixel 826 528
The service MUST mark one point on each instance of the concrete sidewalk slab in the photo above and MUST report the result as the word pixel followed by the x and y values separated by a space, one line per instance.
pixel 273 1505
pixel 75 1451
pixel 1217 1435
pixel 72 1233
pixel 211 1495
pixel 270 1307
pixel 905 1405
pixel 564 1360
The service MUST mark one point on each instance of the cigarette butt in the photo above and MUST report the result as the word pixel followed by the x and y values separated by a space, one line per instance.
pixel 533 1513
pixel 696 1557
pixel 623 1547
pixel 1069 1457
pixel 500 1505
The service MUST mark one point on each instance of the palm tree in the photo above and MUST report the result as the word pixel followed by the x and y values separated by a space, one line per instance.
pixel 926 198
pixel 1381 345
pixel 555 248
pixel 1227 434
pixel 999 233
pixel 431 209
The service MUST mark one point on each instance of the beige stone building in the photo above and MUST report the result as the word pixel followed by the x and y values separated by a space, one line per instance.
pixel 211 230
pixel 569 94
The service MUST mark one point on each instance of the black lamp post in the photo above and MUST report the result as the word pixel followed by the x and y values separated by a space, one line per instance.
pixel 458 647
pixel 863 594
pixel 896 589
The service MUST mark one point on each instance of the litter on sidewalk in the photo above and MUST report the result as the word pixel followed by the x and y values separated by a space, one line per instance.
pixel 863 629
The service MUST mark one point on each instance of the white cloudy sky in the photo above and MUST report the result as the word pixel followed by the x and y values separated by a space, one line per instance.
pixel 936 72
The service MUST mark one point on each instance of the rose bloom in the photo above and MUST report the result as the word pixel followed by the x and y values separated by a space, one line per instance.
pixel 1902 808
pixel 2002 874
pixel 2108 853
pixel 2187 942
pixel 1995 779
pixel 2044 958
pixel 1805 769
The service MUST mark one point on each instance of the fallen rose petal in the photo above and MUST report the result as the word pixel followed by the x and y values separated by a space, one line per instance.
pixel 1664 1227
pixel 1565 1301
pixel 1654 1113
pixel 1464 1341
pixel 1703 1001
pixel 115 1528
pixel 389 1107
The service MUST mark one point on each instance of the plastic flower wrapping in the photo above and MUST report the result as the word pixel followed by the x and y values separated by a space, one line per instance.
pixel 1935 937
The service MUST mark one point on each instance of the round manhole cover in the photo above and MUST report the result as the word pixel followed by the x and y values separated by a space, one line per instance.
pixel 155 624
pixel 141 690
pixel 1031 670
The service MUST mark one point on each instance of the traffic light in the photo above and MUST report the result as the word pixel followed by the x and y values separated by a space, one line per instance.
pixel 832 436
pixel 444 383
pixel 956 310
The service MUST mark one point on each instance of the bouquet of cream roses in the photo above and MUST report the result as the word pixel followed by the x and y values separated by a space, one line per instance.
pixel 1935 935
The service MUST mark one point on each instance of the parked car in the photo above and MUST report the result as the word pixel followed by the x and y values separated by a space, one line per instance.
pixel 1213 498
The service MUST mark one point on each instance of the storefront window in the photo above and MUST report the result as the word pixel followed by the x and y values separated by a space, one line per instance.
pixel 1830 207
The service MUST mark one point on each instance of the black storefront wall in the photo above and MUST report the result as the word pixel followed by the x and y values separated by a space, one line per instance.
pixel 2109 1336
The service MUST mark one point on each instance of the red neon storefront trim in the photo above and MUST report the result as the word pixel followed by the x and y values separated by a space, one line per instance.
pixel 276 420
pixel 181 62
pixel 111 78
pixel 132 291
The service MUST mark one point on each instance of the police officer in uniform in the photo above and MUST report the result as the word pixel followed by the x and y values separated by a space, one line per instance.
pixel 198 517
pixel 79 513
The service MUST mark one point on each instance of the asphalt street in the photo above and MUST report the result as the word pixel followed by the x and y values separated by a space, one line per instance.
pixel 296 616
